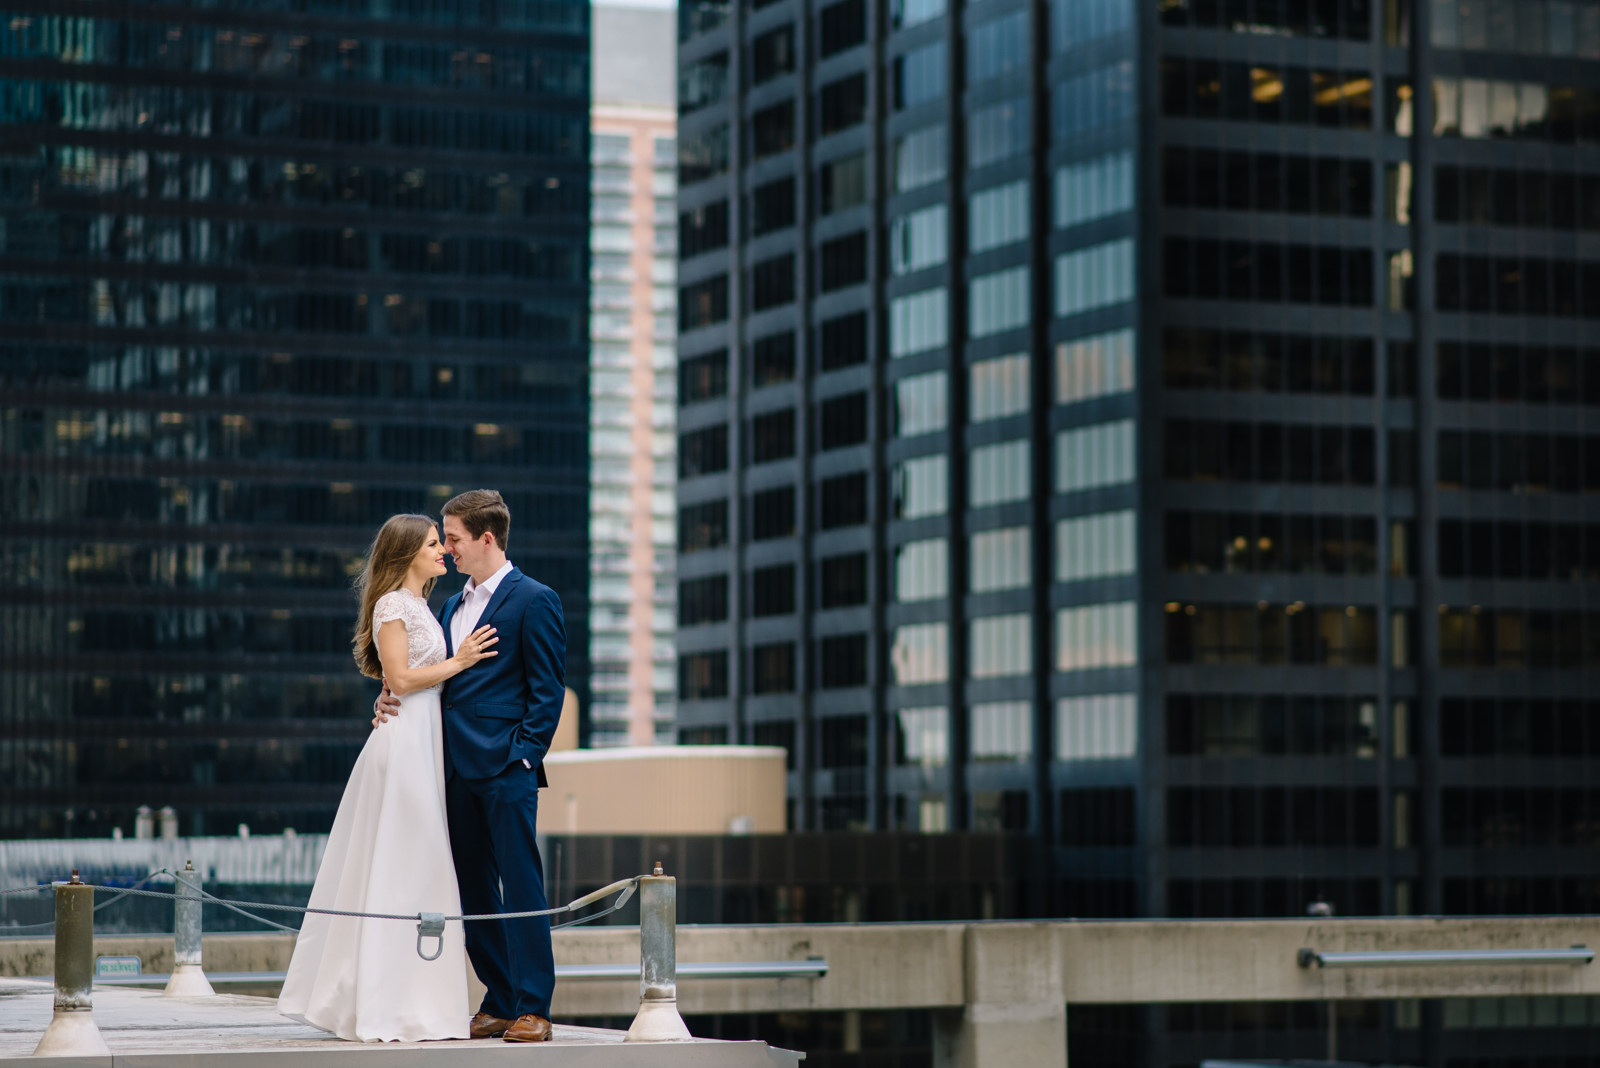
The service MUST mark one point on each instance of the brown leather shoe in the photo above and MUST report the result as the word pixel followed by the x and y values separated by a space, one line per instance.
pixel 530 1028
pixel 486 1026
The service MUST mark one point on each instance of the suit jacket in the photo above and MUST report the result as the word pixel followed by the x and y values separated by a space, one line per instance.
pixel 504 709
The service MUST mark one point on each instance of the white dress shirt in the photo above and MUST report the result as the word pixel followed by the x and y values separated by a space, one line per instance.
pixel 474 599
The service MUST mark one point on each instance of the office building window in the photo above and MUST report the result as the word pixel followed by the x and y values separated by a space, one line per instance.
pixel 1099 817
pixel 1094 101
pixel 842 342
pixel 998 302
pixel 1485 727
pixel 842 183
pixel 1252 725
pixel 1516 374
pixel 842 742
pixel 841 661
pixel 1203 450
pixel 919 487
pixel 1094 277
pixel 703 378
pixel 1094 189
pixel 1001 645
pixel 918 322
pixel 920 404
pixel 702 600
pixel 842 25
pixel 842 421
pixel 918 240
pixel 772 360
pixel 772 514
pixel 703 304
pixel 1532 199
pixel 1564 552
pixel 1000 473
pixel 997 47
pixel 1216 542
pixel 921 570
pixel 1518 285
pixel 1002 731
pixel 1206 89
pixel 1334 18
pixel 772 590
pixel 772 207
pixel 842 580
pixel 1100 727
pixel 1094 366
pixel 1512 638
pixel 772 55
pixel 1096 636
pixel 772 436
pixel 703 676
pixel 998 388
pixel 919 76
pixel 842 262
pixel 1272 817
pixel 922 737
pixel 772 282
pixel 920 654
pixel 703 451
pixel 1074 22
pixel 772 668
pixel 1091 456
pixel 841 104
pixel 1275 363
pixel 699 85
pixel 703 155
pixel 842 501
pixel 1000 559
pixel 1262 633
pixel 1267 181
pixel 779 733
pixel 772 130
pixel 703 526
pixel 998 132
pixel 1270 273
pixel 1094 546
pixel 998 216
pixel 703 229
pixel 920 157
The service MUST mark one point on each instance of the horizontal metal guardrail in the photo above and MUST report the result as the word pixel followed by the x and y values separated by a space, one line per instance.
pixel 813 968
pixel 1414 958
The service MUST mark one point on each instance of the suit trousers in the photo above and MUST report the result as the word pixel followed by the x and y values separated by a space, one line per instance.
pixel 492 838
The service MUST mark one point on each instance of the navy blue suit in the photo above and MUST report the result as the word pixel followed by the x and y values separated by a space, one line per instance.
pixel 498 713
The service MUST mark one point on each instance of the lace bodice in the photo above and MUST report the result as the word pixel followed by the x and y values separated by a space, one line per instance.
pixel 424 637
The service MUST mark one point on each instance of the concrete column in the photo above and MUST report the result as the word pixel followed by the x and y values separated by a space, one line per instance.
pixel 1016 1007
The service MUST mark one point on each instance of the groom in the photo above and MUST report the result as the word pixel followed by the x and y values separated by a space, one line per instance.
pixel 499 719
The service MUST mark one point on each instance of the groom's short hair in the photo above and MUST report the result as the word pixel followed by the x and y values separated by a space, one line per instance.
pixel 480 510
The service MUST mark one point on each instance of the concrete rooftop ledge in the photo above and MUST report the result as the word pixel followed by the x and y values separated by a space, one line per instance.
pixel 145 1030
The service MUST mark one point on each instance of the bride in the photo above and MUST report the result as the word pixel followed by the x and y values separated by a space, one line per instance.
pixel 389 849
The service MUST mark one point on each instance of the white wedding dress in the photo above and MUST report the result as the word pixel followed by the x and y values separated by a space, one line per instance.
pixel 389 851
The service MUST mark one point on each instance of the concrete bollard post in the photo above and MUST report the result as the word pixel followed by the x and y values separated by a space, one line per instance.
pixel 188 978
pixel 658 1019
pixel 72 1031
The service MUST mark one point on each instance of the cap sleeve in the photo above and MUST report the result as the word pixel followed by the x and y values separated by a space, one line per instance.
pixel 391 605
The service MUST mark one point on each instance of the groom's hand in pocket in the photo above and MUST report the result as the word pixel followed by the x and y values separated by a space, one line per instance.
pixel 385 706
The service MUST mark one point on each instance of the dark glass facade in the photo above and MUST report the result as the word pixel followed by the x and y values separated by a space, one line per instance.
pixel 1188 456
pixel 269 273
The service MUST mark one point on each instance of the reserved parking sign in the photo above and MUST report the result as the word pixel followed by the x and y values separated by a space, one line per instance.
pixel 116 967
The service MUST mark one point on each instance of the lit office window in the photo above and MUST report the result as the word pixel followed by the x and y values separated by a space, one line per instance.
pixel 1092 456
pixel 998 301
pixel 919 240
pixel 998 388
pixel 1001 645
pixel 919 158
pixel 921 404
pixel 921 570
pixel 1096 545
pixel 998 132
pixel 920 654
pixel 1094 189
pixel 998 216
pixel 1094 366
pixel 923 736
pixel 918 322
pixel 920 487
pixel 1000 473
pixel 1002 730
pixel 1096 636
pixel 1000 559
pixel 1094 277
pixel 1100 727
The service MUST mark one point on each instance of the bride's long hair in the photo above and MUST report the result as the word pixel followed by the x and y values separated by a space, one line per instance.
pixel 384 572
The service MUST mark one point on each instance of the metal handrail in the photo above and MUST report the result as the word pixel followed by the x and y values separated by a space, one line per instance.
pixel 1415 958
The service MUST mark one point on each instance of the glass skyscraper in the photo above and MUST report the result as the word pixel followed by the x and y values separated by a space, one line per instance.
pixel 269 273
pixel 1162 426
